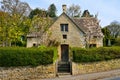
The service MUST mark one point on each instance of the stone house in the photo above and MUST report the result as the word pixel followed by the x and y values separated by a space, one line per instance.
pixel 72 32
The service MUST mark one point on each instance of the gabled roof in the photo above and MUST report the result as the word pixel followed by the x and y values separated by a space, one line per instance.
pixel 90 24
pixel 85 24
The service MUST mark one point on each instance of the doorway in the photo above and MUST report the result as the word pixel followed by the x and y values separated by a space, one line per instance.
pixel 65 52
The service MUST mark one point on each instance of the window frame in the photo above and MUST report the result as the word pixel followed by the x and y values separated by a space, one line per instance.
pixel 64 36
pixel 64 27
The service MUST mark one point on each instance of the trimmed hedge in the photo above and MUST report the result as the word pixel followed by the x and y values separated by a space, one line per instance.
pixel 26 56
pixel 95 54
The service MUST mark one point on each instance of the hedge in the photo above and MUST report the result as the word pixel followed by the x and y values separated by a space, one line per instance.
pixel 26 56
pixel 95 54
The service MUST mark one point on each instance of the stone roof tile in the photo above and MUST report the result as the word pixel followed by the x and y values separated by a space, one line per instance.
pixel 90 25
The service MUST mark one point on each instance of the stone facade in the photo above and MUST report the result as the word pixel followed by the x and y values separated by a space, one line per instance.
pixel 31 42
pixel 85 68
pixel 27 73
pixel 81 31
pixel 75 37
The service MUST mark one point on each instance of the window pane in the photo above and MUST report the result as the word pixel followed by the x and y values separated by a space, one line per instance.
pixel 62 27
pixel 66 27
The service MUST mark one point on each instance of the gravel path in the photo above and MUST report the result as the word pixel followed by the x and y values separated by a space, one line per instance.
pixel 93 76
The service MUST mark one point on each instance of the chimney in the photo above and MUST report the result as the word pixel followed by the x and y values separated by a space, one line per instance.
pixel 64 8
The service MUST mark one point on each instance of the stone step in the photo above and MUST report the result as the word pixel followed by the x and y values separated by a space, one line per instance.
pixel 59 65
pixel 61 62
pixel 64 74
pixel 63 69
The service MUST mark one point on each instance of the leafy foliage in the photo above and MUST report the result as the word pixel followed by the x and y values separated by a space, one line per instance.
pixel 39 12
pixel 26 56
pixel 108 39
pixel 40 27
pixel 117 42
pixel 95 54
pixel 14 23
pixel 13 28
pixel 111 34
pixel 52 10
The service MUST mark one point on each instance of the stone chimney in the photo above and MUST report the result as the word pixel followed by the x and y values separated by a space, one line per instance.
pixel 64 8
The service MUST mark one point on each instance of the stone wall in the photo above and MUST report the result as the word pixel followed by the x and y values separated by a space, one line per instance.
pixel 85 68
pixel 27 73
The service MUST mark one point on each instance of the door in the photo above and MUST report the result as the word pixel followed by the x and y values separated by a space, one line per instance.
pixel 64 53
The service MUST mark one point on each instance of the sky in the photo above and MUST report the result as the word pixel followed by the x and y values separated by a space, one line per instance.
pixel 108 10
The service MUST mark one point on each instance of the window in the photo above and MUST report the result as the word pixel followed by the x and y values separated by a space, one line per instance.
pixel 34 45
pixel 92 45
pixel 64 36
pixel 94 36
pixel 64 27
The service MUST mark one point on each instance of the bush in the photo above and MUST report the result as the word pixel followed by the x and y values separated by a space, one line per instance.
pixel 95 54
pixel 26 56
pixel 117 42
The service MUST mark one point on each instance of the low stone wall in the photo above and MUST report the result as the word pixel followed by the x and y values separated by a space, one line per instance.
pixel 84 68
pixel 27 73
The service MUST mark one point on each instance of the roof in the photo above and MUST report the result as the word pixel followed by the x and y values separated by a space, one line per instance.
pixel 90 25
pixel 33 35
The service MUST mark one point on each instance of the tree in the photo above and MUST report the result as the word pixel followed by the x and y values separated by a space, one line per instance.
pixel 114 28
pixel 107 40
pixel 15 7
pixel 20 28
pixel 52 10
pixel 12 28
pixel 86 13
pixel 13 21
pixel 4 19
pixel 40 27
pixel 74 11
pixel 39 12
pixel 117 42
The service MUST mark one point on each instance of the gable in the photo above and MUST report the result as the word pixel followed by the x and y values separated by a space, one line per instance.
pixel 73 36
pixel 66 19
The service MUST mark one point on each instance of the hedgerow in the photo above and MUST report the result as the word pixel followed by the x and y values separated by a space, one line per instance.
pixel 95 54
pixel 26 56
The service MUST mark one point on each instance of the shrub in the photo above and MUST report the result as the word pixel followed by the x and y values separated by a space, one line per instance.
pixel 117 42
pixel 95 54
pixel 26 56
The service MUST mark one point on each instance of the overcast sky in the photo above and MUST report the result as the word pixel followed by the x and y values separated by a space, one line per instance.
pixel 108 10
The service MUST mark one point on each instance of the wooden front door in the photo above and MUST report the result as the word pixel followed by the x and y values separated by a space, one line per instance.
pixel 64 52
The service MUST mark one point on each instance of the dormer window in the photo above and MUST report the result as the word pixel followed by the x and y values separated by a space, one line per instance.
pixel 64 27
